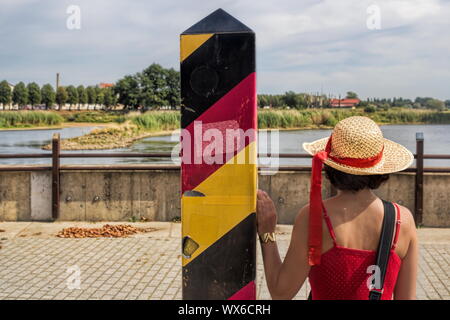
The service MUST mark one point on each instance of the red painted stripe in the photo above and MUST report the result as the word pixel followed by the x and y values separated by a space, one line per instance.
pixel 246 293
pixel 235 110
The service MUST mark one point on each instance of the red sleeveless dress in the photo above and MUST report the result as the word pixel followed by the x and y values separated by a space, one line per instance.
pixel 342 273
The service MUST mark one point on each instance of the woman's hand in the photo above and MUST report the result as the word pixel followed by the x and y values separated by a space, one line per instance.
pixel 266 213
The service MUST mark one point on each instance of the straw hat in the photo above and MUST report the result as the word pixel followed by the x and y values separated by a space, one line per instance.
pixel 361 138
pixel 356 146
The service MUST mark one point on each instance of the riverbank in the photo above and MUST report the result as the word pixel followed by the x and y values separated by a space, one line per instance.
pixel 267 118
pixel 119 130
pixel 35 120
pixel 112 137
pixel 327 118
pixel 29 119
pixel 61 126
pixel 121 135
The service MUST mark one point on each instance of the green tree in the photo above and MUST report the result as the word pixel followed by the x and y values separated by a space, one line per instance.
pixel 82 96
pixel 263 100
pixel 290 99
pixel 422 100
pixel 276 100
pixel 100 97
pixel 173 95
pixel 92 95
pixel 72 96
pixel 351 95
pixel 296 100
pixel 48 95
pixel 364 104
pixel 154 89
pixel 435 104
pixel 108 99
pixel 61 97
pixel 128 91
pixel 370 108
pixel 20 95
pixel 447 103
pixel 5 93
pixel 34 93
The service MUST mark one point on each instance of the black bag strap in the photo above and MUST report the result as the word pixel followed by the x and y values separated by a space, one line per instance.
pixel 384 247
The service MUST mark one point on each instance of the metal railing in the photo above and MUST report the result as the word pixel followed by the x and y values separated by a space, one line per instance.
pixel 56 167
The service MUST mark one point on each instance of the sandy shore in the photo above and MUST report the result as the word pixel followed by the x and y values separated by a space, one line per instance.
pixel 100 139
pixel 64 125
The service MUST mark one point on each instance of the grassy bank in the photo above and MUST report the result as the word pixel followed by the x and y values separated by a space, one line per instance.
pixel 136 126
pixel 133 127
pixel 157 120
pixel 27 119
pixel 105 138
pixel 92 116
pixel 326 118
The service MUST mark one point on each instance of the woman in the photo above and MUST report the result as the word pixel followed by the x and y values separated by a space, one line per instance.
pixel 334 241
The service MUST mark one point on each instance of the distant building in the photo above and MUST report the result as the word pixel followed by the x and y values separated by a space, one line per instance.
pixel 105 85
pixel 344 103
pixel 11 86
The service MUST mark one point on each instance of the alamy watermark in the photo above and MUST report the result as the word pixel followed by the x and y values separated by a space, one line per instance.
pixel 73 281
pixel 373 21
pixel 73 21
pixel 374 281
pixel 209 145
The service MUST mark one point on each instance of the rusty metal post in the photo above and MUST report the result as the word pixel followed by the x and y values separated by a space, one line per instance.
pixel 56 148
pixel 418 212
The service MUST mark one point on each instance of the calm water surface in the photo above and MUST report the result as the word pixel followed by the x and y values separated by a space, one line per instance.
pixel 437 141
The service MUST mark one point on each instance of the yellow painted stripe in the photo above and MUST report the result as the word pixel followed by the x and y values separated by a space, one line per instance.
pixel 190 42
pixel 230 196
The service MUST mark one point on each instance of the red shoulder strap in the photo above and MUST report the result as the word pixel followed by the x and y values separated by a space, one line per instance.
pixel 397 226
pixel 329 225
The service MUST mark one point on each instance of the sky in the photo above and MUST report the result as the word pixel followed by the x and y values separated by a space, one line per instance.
pixel 384 48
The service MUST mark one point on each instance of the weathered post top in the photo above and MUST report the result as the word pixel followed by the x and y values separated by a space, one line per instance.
pixel 216 54
pixel 218 204
pixel 218 22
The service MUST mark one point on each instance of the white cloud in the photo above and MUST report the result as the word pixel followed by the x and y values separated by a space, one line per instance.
pixel 302 45
pixel 413 9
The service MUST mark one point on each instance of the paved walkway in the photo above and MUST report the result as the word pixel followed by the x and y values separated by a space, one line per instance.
pixel 34 264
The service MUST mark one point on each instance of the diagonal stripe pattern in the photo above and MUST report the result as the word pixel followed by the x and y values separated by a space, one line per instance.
pixel 190 43
pixel 218 89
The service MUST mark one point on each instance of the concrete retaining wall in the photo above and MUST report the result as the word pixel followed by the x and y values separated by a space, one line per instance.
pixel 154 195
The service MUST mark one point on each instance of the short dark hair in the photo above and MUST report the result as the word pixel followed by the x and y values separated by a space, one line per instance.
pixel 351 182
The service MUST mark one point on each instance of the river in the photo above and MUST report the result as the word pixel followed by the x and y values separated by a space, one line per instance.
pixel 437 141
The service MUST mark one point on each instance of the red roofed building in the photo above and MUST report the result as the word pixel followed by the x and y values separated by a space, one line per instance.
pixel 344 103
pixel 105 85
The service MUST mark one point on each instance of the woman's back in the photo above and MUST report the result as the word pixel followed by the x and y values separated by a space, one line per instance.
pixel 351 232
pixel 338 252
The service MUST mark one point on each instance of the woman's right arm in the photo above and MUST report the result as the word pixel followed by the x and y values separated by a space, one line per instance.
pixel 405 288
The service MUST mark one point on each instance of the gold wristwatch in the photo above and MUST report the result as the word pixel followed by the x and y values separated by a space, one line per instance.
pixel 266 237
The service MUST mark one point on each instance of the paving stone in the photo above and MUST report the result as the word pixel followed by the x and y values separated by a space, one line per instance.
pixel 146 268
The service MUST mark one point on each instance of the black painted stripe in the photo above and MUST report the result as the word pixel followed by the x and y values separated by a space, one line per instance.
pixel 217 273
pixel 219 21
pixel 212 70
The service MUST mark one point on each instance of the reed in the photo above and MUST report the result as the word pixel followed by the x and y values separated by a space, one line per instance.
pixel 23 119
pixel 319 118
pixel 157 120
pixel 93 116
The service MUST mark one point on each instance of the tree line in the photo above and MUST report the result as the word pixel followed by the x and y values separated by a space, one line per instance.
pixel 295 100
pixel 157 87
pixel 33 95
pixel 152 88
